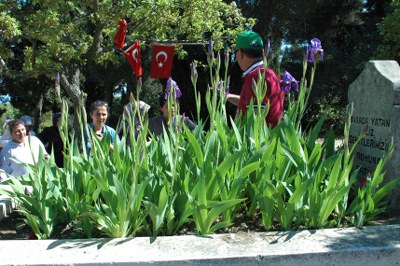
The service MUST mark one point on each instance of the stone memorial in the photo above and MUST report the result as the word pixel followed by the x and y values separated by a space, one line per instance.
pixel 375 97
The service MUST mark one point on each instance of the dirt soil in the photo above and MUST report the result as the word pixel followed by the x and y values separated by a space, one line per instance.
pixel 14 228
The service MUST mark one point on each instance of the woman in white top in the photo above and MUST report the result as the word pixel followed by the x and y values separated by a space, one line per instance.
pixel 20 151
pixel 28 122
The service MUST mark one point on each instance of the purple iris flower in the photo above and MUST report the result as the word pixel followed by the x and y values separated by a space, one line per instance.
pixel 289 83
pixel 172 83
pixel 220 86
pixel 314 48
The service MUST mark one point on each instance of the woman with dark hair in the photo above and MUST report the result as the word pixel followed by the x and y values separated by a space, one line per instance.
pixel 165 119
pixel 20 151
pixel 99 113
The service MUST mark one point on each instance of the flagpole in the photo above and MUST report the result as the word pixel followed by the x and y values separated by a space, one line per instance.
pixel 180 42
pixel 171 42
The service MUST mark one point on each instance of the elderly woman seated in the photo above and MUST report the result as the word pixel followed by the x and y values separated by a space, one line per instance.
pixel 20 151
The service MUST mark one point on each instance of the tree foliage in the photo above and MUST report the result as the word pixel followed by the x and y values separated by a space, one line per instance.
pixel 389 28
pixel 75 38
pixel 349 34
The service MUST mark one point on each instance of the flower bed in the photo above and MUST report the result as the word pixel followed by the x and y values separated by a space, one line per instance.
pixel 205 180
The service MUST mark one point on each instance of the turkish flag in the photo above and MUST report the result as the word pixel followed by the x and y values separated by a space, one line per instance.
pixel 120 36
pixel 134 58
pixel 161 61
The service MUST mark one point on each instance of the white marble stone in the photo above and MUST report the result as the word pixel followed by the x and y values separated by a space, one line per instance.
pixel 375 96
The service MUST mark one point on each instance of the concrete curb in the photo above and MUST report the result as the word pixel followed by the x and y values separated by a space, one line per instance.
pixel 373 245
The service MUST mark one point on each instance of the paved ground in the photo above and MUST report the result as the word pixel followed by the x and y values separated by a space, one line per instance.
pixel 371 245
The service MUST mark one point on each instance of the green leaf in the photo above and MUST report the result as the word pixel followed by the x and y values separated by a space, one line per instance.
pixel 313 136
pixel 248 169
pixel 299 192
pixel 196 147
pixel 217 208
pixel 227 163
pixel 330 203
pixel 334 175
pixel 330 144
pixel 385 190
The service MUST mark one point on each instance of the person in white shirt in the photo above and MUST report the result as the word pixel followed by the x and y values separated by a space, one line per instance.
pixel 28 122
pixel 20 151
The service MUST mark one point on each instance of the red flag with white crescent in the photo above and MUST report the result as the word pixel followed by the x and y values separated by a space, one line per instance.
pixel 120 36
pixel 134 58
pixel 161 61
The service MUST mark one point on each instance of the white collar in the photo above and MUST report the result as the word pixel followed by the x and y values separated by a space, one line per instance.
pixel 253 66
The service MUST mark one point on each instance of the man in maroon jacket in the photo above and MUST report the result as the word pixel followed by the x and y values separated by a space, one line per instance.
pixel 249 55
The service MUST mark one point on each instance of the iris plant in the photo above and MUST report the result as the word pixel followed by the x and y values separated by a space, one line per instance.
pixel 210 52
pixel 194 76
pixel 314 48
pixel 221 85
pixel 193 73
pixel 171 83
pixel 205 177
pixel 289 83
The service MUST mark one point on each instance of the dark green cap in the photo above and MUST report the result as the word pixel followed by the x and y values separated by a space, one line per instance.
pixel 249 40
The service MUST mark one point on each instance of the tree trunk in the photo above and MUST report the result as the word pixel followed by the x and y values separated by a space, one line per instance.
pixel 72 87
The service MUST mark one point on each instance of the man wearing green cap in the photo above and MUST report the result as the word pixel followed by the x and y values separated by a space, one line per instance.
pixel 249 55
